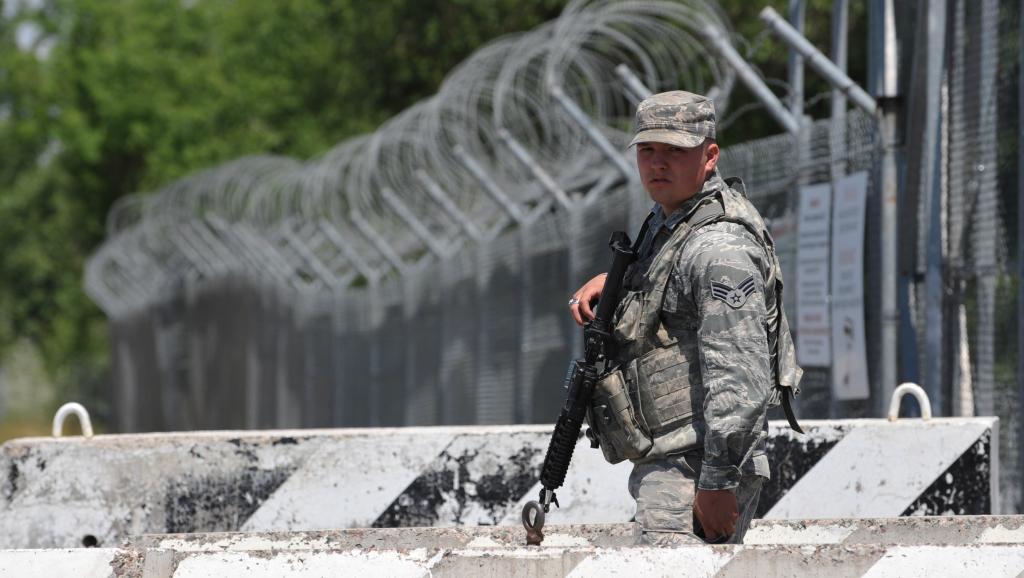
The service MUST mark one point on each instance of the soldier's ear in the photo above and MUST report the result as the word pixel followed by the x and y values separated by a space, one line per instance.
pixel 710 156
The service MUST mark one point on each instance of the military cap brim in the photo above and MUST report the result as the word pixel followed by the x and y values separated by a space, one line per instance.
pixel 674 137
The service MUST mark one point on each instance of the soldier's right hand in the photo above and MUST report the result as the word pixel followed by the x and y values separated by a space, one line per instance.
pixel 585 297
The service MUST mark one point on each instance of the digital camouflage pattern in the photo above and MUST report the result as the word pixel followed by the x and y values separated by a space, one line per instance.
pixel 678 117
pixel 733 342
pixel 664 491
pixel 715 351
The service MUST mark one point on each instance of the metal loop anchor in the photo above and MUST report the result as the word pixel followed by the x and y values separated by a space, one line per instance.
pixel 917 392
pixel 533 521
pixel 72 408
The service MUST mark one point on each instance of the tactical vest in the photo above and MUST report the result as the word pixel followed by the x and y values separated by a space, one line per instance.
pixel 644 408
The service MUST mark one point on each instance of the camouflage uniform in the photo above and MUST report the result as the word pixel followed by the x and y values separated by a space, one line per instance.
pixel 704 346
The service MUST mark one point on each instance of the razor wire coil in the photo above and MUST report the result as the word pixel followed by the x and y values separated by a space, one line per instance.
pixel 434 178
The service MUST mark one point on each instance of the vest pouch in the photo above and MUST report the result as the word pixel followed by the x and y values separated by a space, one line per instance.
pixel 665 378
pixel 612 417
pixel 628 319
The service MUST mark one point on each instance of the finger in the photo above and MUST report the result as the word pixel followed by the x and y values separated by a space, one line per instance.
pixel 711 534
pixel 586 304
pixel 574 310
pixel 585 310
pixel 722 539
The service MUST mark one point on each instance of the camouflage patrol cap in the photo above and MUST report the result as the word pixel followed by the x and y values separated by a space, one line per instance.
pixel 678 118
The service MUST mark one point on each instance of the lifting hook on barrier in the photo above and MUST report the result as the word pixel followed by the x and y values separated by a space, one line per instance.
pixel 72 408
pixel 916 391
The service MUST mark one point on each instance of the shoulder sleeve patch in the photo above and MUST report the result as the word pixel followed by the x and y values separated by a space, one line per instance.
pixel 736 296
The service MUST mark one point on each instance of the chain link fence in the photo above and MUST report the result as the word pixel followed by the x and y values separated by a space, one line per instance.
pixel 984 196
pixel 483 336
pixel 419 276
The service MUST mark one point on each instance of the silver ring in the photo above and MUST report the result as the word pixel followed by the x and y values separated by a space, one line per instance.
pixel 573 301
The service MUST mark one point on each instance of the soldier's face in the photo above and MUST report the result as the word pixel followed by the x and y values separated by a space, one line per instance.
pixel 672 174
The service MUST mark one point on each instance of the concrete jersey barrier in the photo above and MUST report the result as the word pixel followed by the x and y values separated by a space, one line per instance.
pixel 66 492
pixel 990 546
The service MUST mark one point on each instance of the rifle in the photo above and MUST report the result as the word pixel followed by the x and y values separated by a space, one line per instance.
pixel 579 381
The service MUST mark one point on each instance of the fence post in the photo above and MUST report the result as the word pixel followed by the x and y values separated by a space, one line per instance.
pixel 635 88
pixel 1020 261
pixel 723 48
pixel 490 187
pixel 576 114
pixel 440 197
pixel 930 187
pixel 840 23
pixel 435 245
pixel 331 233
pixel 538 172
pixel 882 75
pixel 796 61
pixel 379 243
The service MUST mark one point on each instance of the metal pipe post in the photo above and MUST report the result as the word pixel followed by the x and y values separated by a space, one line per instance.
pixel 576 113
pixel 490 187
pixel 378 242
pixel 818 61
pixel 883 75
pixel 1020 259
pixel 538 172
pixel 840 37
pixel 796 59
pixel 321 271
pixel 749 77
pixel 840 23
pixel 368 272
pixel 435 192
pixel 418 228
pixel 930 188
pixel 636 87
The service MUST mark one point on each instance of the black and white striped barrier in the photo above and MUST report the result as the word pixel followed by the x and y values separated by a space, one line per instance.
pixel 66 492
pixel 988 561
pixel 974 546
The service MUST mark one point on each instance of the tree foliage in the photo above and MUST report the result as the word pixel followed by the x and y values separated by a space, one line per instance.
pixel 115 97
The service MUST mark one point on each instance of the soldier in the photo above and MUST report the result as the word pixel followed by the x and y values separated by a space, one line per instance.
pixel 703 344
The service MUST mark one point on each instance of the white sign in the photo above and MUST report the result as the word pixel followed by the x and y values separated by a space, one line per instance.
pixel 813 330
pixel 849 362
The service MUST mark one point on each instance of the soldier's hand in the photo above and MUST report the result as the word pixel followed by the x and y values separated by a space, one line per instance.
pixel 716 510
pixel 588 294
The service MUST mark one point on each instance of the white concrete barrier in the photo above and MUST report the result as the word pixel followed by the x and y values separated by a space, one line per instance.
pixel 81 563
pixel 69 492
pixel 969 546
pixel 574 551
pixel 973 546
pixel 990 561
pixel 685 561
pixel 918 530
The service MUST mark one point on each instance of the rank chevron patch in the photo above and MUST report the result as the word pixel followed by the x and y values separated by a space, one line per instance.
pixel 735 297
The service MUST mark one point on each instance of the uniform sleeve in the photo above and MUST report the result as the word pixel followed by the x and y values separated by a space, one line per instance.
pixel 728 288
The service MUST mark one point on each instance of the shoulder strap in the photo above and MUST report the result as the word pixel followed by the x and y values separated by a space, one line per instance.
pixel 643 233
pixel 708 210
